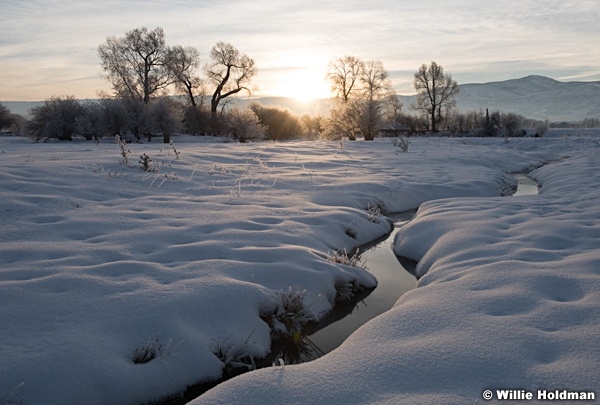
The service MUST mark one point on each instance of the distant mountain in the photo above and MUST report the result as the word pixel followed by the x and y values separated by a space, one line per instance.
pixel 20 107
pixel 536 97
pixel 532 96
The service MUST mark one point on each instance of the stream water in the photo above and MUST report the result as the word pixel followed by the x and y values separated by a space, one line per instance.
pixel 525 186
pixel 393 281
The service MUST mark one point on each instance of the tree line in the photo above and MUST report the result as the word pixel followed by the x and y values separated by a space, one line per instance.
pixel 159 89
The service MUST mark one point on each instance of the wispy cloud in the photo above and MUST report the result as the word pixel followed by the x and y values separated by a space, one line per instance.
pixel 49 46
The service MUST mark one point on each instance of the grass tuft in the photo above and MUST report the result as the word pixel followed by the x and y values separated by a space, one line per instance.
pixel 151 350
pixel 290 313
pixel 234 357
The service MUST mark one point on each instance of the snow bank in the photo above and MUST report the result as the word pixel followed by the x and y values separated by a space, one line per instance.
pixel 99 259
pixel 509 298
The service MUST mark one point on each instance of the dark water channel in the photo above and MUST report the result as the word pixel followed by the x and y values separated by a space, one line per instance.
pixel 393 281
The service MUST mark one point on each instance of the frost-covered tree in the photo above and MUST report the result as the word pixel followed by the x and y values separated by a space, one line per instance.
pixel 230 71
pixel 436 92
pixel 312 125
pixel 115 117
pixel 165 117
pixel 90 124
pixel 136 64
pixel 56 118
pixel 244 125
pixel 5 116
pixel 363 94
pixel 376 94
pixel 138 118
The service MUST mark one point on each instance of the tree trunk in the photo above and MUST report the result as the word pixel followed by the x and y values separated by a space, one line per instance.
pixel 191 94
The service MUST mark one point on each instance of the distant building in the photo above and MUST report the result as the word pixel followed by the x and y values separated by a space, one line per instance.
pixel 393 130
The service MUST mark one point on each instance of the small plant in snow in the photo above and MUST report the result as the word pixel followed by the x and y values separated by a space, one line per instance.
pixel 144 162
pixel 342 257
pixel 401 143
pixel 350 231
pixel 124 151
pixel 151 350
pixel 290 313
pixel 346 291
pixel 374 212
pixel 164 177
pixel 235 357
pixel 281 363
pixel 174 150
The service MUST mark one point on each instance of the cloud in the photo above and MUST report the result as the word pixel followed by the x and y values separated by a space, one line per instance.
pixel 48 38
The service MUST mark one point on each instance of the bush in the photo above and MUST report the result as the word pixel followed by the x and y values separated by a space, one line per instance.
pixel 244 125
pixel 165 117
pixel 280 124
pixel 56 118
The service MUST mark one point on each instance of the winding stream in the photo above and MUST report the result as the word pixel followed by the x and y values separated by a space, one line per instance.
pixel 395 277
pixel 394 280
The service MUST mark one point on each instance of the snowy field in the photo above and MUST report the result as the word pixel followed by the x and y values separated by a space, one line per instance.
pixel 102 263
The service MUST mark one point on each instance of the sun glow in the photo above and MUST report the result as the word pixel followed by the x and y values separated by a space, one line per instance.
pixel 303 85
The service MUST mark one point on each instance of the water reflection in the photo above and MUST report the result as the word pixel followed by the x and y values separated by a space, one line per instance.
pixel 393 281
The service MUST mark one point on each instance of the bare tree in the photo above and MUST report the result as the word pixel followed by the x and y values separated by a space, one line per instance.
pixel 136 64
pixel 5 116
pixel 184 62
pixel 344 74
pixel 312 125
pixel 230 71
pixel 363 90
pixel 376 93
pixel 512 123
pixel 435 91
pixel 340 122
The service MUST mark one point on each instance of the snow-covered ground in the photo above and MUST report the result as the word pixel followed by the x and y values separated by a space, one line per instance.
pixel 99 259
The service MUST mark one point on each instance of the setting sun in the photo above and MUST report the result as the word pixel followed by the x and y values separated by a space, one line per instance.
pixel 303 85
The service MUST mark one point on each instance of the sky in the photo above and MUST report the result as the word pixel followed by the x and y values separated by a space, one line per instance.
pixel 49 47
